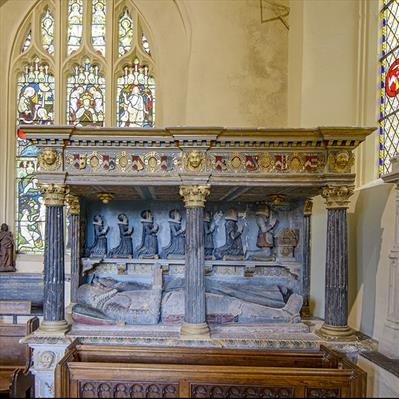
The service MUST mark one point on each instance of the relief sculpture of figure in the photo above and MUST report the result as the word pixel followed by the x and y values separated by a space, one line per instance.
pixel 232 249
pixel 149 241
pixel 265 239
pixel 99 247
pixel 177 245
pixel 209 229
pixel 125 247
pixel 7 250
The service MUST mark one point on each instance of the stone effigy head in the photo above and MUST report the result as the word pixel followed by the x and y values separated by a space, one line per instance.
pixel 146 216
pixel 97 219
pixel 174 215
pixel 122 219
pixel 263 210
pixel 231 214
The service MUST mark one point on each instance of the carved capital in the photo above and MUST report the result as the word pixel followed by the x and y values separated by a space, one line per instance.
pixel 54 194
pixel 308 206
pixel 194 196
pixel 337 196
pixel 73 202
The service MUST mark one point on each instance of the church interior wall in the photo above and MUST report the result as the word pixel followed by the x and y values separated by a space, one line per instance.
pixel 234 70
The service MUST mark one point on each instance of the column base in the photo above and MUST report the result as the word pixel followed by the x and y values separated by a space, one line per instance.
pixel 195 330
pixel 59 327
pixel 337 333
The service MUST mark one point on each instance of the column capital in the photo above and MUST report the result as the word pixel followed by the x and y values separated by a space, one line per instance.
pixel 337 196
pixel 194 196
pixel 307 207
pixel 74 204
pixel 54 194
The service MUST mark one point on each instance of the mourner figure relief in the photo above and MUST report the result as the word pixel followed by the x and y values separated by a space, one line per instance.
pixel 234 292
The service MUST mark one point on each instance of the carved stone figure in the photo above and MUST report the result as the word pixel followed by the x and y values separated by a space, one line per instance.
pixel 125 247
pixel 149 240
pixel 177 245
pixel 233 248
pixel 286 241
pixel 242 300
pixel 209 229
pixel 99 246
pixel 7 250
pixel 121 302
pixel 265 239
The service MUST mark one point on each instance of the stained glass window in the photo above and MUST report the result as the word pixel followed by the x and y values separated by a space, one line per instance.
pixel 47 31
pixel 135 96
pixel 389 104
pixel 98 26
pixel 27 41
pixel 125 37
pixel 35 105
pixel 98 51
pixel 75 25
pixel 145 44
pixel 85 96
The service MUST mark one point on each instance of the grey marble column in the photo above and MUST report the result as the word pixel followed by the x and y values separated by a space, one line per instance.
pixel 307 239
pixel 74 212
pixel 336 290
pixel 54 263
pixel 194 294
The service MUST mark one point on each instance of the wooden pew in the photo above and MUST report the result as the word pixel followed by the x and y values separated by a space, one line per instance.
pixel 127 371
pixel 15 358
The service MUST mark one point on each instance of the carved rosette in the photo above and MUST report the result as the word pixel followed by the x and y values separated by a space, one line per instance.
pixel 308 206
pixel 73 202
pixel 194 196
pixel 337 196
pixel 54 194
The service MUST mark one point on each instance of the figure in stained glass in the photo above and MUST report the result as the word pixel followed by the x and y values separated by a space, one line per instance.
pixel 136 101
pixel 125 33
pixel 47 31
pixel 86 94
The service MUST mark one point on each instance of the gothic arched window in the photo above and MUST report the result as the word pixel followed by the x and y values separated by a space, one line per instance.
pixel 97 69
pixel 389 95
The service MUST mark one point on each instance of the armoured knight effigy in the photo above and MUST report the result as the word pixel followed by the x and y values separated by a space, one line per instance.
pixel 196 225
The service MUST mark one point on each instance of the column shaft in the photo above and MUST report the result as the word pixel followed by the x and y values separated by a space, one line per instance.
pixel 336 301
pixel 54 292
pixel 306 312
pixel 75 255
pixel 194 271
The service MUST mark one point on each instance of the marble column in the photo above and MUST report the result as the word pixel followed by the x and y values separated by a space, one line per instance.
pixel 194 325
pixel 74 212
pixel 54 263
pixel 336 290
pixel 307 239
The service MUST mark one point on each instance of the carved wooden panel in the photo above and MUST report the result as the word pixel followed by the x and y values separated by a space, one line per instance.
pixel 239 391
pixel 322 393
pixel 109 389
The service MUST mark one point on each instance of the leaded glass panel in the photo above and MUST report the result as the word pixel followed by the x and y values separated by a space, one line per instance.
pixel 27 41
pixel 389 98
pixel 35 95
pixel 125 37
pixel 135 96
pixel 75 25
pixel 98 26
pixel 85 96
pixel 47 31
pixel 35 105
pixel 145 44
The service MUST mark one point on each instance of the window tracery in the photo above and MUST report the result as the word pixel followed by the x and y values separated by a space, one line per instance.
pixel 69 79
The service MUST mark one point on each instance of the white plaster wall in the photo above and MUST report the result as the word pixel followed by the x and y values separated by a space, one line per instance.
pixel 380 383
